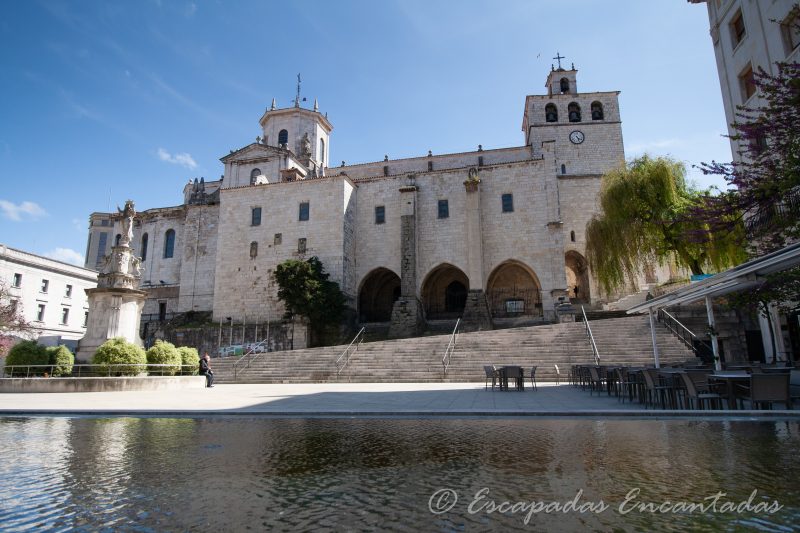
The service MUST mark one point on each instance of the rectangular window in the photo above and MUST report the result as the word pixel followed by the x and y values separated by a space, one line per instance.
pixel 40 313
pixel 17 280
pixel 444 209
pixel 104 222
pixel 380 214
pixel 45 285
pixel 255 218
pixel 515 307
pixel 791 30
pixel 64 316
pixel 68 292
pixel 85 318
pixel 101 247
pixel 162 311
pixel 508 203
pixel 278 239
pixel 747 83
pixel 738 32
pixel 301 245
pixel 88 247
pixel 304 211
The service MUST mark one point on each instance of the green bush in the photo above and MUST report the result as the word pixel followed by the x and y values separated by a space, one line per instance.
pixel 28 353
pixel 164 353
pixel 62 360
pixel 118 351
pixel 190 360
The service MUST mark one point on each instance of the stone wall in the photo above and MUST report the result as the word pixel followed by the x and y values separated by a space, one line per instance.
pixel 198 264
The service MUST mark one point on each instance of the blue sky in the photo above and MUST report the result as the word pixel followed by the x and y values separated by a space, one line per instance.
pixel 102 101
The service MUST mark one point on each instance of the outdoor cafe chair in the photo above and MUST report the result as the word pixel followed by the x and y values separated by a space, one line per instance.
pixel 595 380
pixel 515 373
pixel 766 389
pixel 533 377
pixel 693 395
pixel 624 385
pixel 491 373
pixel 653 391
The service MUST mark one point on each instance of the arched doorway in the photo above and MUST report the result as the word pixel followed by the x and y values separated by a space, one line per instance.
pixel 379 290
pixel 513 290
pixel 444 292
pixel 577 270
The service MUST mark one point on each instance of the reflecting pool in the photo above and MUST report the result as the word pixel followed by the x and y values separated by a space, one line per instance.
pixel 236 473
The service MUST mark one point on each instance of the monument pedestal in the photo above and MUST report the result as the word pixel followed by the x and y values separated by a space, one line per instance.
pixel 112 313
pixel 476 312
pixel 407 320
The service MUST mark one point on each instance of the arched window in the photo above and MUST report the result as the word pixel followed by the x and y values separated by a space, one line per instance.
pixel 564 85
pixel 253 249
pixel 117 239
pixel 256 172
pixel 551 113
pixel 322 151
pixel 597 111
pixel 169 243
pixel 572 235
pixel 574 112
pixel 283 137
pixel 144 247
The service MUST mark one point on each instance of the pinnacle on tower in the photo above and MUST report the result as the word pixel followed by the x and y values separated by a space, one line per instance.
pixel 272 108
pixel 316 105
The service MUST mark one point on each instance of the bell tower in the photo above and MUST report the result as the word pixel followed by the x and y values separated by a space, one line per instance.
pixel 560 80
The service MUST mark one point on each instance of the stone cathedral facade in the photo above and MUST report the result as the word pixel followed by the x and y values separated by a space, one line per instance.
pixel 493 236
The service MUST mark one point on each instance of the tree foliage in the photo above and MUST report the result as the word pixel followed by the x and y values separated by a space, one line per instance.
pixel 305 290
pixel 643 221
pixel 12 322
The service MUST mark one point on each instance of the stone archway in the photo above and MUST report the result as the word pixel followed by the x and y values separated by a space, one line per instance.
pixel 379 290
pixel 444 292
pixel 513 290
pixel 577 270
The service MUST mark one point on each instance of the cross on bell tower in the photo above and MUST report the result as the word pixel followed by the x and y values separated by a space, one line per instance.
pixel 559 57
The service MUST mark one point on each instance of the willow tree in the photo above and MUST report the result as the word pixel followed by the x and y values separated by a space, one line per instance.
pixel 644 221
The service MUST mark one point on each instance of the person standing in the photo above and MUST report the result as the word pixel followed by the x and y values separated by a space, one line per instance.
pixel 205 369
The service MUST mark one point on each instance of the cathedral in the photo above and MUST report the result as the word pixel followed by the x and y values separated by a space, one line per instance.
pixel 496 237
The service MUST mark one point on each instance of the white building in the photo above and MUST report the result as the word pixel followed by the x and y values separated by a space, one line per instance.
pixel 50 294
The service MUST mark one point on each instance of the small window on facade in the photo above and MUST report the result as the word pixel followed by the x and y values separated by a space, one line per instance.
pixel 563 169
pixel 301 245
pixel 574 112
pixel 480 160
pixel 144 247
pixel 162 311
pixel 322 151
pixel 508 203
pixel 758 144
pixel 45 285
pixel 255 217
pixel 791 30
pixel 68 291
pixel 304 211
pixel 278 239
pixel 385 170
pixel 380 214
pixel 444 209
pixel 117 239
pixel 40 313
pixel 597 111
pixel 104 222
pixel 64 316
pixel 17 280
pixel 430 166
pixel 738 32
pixel 85 318
pixel 564 85
pixel 169 243
pixel 747 83
pixel 256 172
pixel 253 250
pixel 101 247
pixel 551 113
pixel 283 137
pixel 572 236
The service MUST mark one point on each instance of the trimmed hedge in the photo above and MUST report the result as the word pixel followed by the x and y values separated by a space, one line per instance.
pixel 190 360
pixel 164 353
pixel 62 360
pixel 28 353
pixel 118 351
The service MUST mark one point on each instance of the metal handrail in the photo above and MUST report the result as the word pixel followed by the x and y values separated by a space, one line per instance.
pixel 106 370
pixel 681 331
pixel 595 351
pixel 347 351
pixel 451 346
pixel 251 351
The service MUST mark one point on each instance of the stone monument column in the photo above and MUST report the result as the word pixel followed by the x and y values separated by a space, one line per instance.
pixel 476 310
pixel 115 306
pixel 407 318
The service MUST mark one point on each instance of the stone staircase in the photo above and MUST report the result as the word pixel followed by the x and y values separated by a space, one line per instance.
pixel 620 341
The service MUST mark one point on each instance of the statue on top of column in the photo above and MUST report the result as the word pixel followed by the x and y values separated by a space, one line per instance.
pixel 127 223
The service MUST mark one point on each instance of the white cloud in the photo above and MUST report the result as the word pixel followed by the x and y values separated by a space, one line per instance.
pixel 16 212
pixel 66 255
pixel 182 159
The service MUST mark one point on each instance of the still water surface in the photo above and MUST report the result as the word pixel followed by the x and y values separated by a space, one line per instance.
pixel 235 474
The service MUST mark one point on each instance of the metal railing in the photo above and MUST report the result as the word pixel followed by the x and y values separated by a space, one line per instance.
pixel 344 358
pixel 595 351
pixel 254 349
pixel 83 370
pixel 451 346
pixel 684 334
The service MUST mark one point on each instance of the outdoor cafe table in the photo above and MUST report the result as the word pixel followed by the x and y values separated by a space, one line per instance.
pixel 731 378
pixel 503 370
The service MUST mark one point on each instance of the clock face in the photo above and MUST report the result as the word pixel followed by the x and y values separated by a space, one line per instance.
pixel 576 137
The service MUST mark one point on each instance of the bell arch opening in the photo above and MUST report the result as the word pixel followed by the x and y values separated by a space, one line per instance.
pixel 513 290
pixel 379 291
pixel 444 292
pixel 577 270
